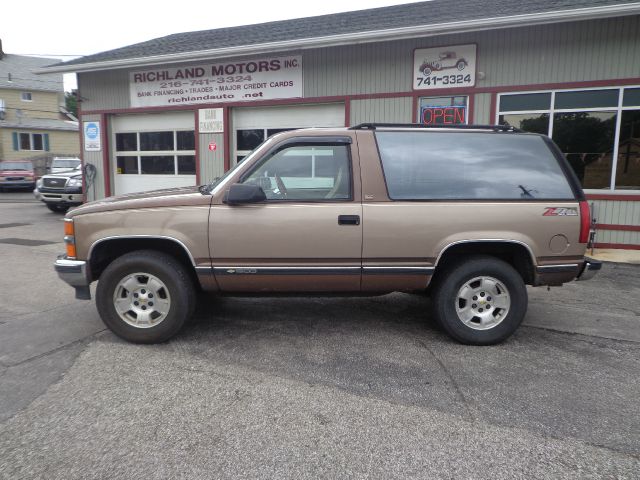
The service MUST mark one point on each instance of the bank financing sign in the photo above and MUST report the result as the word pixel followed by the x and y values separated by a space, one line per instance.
pixel 236 81
pixel 444 67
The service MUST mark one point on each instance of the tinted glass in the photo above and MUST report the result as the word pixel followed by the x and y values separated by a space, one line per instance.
pixel 128 165
pixel 186 140
pixel 631 97
pixel 154 141
pixel 527 101
pixel 249 139
pixel 456 165
pixel 528 122
pixel 628 169
pixel 273 131
pixel 126 142
pixel 186 165
pixel 586 138
pixel 587 99
pixel 157 165
pixel 16 166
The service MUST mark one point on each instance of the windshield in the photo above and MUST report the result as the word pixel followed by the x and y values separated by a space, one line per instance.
pixel 67 163
pixel 16 166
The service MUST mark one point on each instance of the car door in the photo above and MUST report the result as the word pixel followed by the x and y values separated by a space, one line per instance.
pixel 307 235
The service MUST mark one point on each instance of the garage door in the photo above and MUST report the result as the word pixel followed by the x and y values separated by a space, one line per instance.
pixel 153 151
pixel 251 126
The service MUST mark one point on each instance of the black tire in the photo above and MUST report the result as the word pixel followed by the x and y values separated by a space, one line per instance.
pixel 446 301
pixel 179 289
pixel 54 207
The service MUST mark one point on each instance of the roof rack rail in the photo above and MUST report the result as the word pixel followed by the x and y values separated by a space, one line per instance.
pixel 495 128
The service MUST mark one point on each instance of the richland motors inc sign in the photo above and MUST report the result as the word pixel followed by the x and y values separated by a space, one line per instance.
pixel 260 79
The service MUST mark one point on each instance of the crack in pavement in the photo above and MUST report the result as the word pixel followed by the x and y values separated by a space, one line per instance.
pixel 36 312
pixel 579 334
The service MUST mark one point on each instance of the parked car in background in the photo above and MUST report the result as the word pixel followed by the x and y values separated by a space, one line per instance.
pixel 60 191
pixel 16 174
pixel 60 164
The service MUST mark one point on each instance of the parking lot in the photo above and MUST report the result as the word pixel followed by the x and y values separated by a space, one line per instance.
pixel 310 387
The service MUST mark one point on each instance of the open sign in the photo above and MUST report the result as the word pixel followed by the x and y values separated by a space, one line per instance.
pixel 453 115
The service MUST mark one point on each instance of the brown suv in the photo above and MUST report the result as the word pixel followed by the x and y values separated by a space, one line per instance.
pixel 469 215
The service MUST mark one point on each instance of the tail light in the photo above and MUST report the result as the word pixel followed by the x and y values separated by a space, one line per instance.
pixel 69 238
pixel 585 222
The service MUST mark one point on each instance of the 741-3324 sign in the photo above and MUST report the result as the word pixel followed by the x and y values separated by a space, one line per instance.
pixel 444 67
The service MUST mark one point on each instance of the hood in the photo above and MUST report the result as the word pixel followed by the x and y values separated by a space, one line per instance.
pixel 65 174
pixel 170 197
pixel 16 173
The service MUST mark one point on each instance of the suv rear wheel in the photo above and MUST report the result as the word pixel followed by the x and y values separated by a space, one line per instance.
pixel 145 296
pixel 481 300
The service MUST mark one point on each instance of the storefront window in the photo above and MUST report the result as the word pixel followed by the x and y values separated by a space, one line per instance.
pixel 126 142
pixel 628 165
pixel 583 123
pixel 186 164
pixel 529 122
pixel 586 138
pixel 157 165
pixel 127 165
pixel 443 110
pixel 156 141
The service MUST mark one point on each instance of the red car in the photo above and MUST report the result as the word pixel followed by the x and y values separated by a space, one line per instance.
pixel 17 174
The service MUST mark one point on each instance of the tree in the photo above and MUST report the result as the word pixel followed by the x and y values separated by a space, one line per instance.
pixel 71 102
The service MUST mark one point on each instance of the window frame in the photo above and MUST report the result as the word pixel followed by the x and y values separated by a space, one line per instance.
pixel 345 142
pixel 31 142
pixel 139 154
pixel 24 95
pixel 552 111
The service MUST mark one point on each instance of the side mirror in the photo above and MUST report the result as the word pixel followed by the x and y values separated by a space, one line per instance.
pixel 240 193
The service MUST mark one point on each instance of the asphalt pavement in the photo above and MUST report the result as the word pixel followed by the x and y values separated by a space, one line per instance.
pixel 310 387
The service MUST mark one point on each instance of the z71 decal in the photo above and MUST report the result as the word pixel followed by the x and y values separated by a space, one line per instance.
pixel 560 212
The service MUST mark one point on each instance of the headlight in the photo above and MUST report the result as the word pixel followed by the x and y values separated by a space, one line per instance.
pixel 39 183
pixel 28 178
pixel 75 182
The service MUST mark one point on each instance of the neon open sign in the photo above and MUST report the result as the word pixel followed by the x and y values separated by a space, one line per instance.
pixel 444 115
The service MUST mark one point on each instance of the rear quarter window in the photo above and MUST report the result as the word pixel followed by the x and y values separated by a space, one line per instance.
pixel 426 165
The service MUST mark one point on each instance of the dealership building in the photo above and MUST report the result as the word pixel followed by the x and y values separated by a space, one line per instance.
pixel 181 110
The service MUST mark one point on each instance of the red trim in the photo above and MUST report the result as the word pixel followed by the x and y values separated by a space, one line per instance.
pixel 227 141
pixel 81 133
pixel 347 112
pixel 413 94
pixel 621 246
pixel 196 121
pixel 414 114
pixel 106 171
pixel 608 196
pixel 621 228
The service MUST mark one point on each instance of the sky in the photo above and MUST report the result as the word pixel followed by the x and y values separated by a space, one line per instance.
pixel 71 28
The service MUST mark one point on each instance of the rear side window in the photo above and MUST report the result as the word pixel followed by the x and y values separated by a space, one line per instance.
pixel 468 165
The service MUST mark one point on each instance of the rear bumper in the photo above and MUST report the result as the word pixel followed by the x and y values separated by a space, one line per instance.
pixel 589 269
pixel 74 272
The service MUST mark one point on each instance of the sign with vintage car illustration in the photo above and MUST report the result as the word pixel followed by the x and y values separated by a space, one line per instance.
pixel 444 67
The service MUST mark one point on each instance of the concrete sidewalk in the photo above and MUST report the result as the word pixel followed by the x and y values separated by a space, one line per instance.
pixel 615 255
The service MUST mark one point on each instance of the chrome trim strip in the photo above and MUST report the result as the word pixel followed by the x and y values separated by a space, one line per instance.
pixel 157 237
pixel 590 268
pixel 398 270
pixel 488 240
pixel 253 270
pixel 204 270
pixel 557 268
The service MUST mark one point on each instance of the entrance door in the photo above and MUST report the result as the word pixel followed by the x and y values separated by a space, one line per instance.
pixel 306 237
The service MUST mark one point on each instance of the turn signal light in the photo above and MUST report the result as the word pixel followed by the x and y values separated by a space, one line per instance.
pixel 69 238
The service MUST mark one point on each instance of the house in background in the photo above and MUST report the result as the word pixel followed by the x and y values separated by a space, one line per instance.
pixel 34 124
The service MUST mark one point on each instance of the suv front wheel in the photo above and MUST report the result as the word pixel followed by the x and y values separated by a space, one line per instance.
pixel 145 296
pixel 481 300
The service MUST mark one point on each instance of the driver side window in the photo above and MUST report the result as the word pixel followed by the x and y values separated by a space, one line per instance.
pixel 305 173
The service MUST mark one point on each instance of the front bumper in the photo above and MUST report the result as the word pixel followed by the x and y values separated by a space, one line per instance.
pixel 589 269
pixel 75 273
